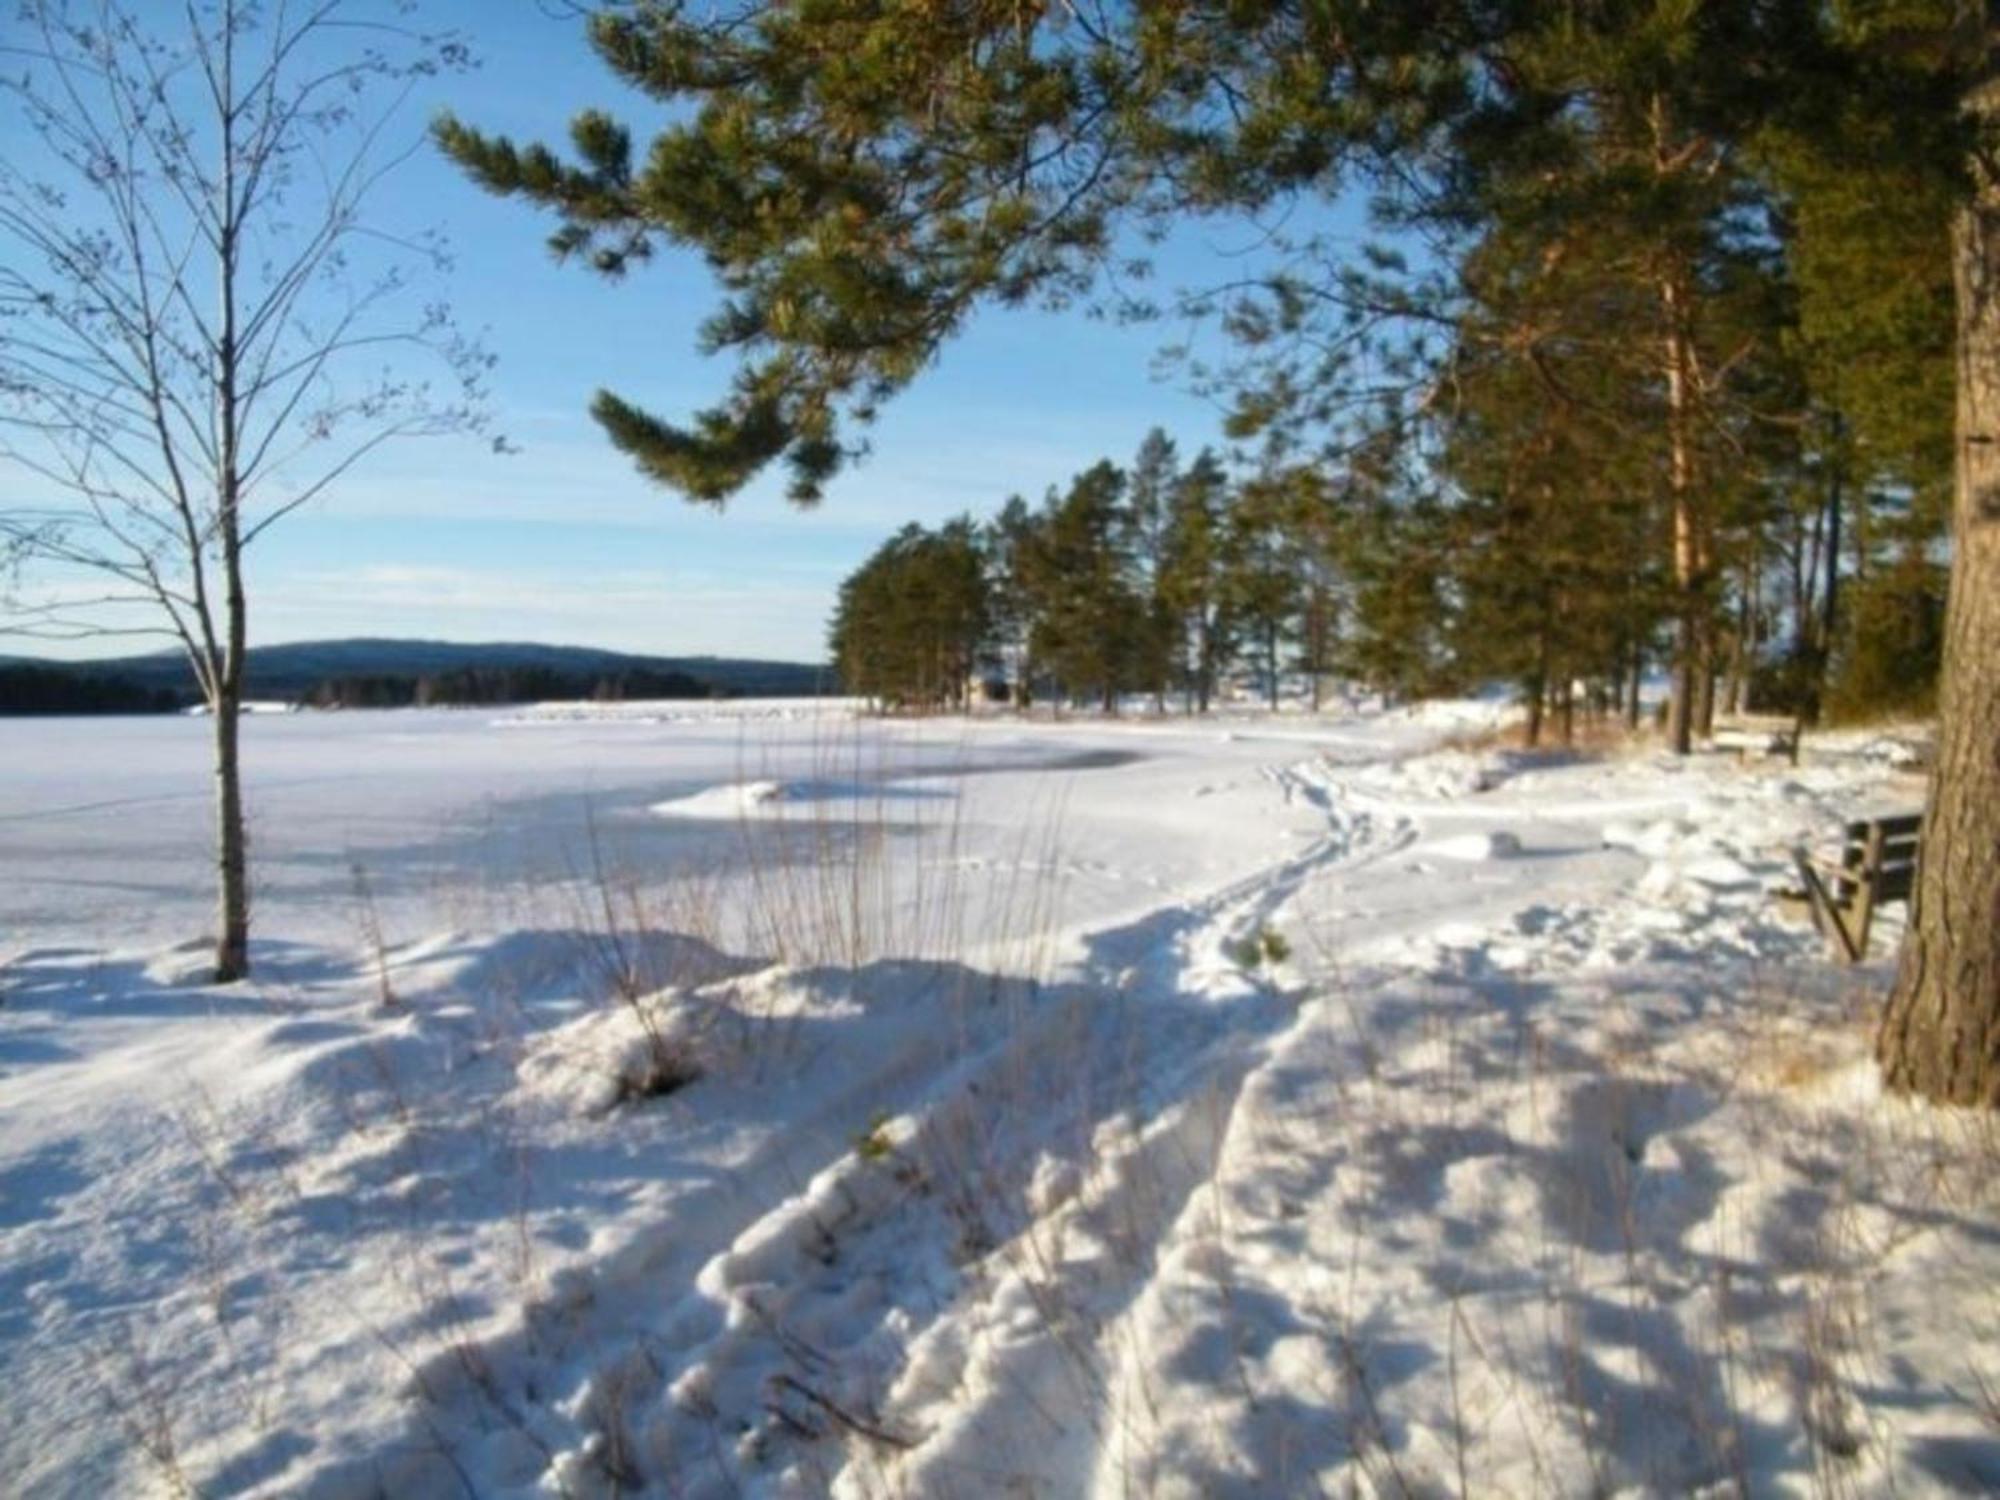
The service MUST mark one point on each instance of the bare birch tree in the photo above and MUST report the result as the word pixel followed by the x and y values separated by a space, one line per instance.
pixel 201 328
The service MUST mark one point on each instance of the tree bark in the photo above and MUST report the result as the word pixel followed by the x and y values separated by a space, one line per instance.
pixel 1677 365
pixel 1538 688
pixel 1204 663
pixel 1743 641
pixel 1829 624
pixel 232 941
pixel 1704 683
pixel 1940 1035
pixel 1680 482
pixel 1634 684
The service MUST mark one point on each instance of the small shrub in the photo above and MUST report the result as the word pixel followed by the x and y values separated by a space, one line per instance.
pixel 873 1144
pixel 1888 661
pixel 1264 946
pixel 663 1068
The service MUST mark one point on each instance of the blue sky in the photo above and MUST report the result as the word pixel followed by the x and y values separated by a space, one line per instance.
pixel 563 541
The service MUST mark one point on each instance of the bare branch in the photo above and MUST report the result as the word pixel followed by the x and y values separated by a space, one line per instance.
pixel 192 307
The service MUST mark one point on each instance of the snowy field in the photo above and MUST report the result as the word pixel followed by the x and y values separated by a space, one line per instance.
pixel 751 1101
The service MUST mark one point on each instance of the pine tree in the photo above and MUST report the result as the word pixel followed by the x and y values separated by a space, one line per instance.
pixel 1006 546
pixel 1087 618
pixel 1552 455
pixel 1148 504
pixel 1195 561
pixel 1261 572
pixel 1320 524
pixel 912 622
pixel 1401 619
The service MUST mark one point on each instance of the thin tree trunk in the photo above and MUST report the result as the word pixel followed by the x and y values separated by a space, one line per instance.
pixel 1687 645
pixel 1940 1035
pixel 1708 644
pixel 232 942
pixel 1829 629
pixel 1316 633
pixel 1704 682
pixel 1204 686
pixel 1538 686
pixel 1743 645
pixel 1680 471
pixel 1634 684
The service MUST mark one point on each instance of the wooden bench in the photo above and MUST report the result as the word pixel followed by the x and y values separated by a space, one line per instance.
pixel 1755 734
pixel 1878 863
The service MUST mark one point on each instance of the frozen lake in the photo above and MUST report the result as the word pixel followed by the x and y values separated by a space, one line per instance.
pixel 490 820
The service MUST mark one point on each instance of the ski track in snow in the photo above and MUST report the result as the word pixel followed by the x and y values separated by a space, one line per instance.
pixel 1168 1221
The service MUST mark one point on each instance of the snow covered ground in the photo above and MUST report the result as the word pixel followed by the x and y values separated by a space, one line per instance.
pixel 744 1100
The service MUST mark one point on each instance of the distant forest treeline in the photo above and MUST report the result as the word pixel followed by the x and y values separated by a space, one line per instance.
pixel 52 690
pixel 26 690
pixel 389 672
pixel 37 688
pixel 475 686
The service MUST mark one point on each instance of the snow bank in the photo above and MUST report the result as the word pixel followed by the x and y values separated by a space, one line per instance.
pixel 769 798
pixel 1472 848
pixel 732 800
pixel 1547 1160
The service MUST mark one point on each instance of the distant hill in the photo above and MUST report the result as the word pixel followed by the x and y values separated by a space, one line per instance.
pixel 292 672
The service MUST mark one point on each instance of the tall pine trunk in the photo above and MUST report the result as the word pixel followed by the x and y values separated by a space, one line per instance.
pixel 1940 1036
pixel 1538 688
pixel 1677 365
pixel 1829 624
pixel 1680 484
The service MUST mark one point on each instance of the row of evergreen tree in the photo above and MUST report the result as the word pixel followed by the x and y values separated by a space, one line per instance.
pixel 467 687
pixel 1405 573
pixel 39 690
